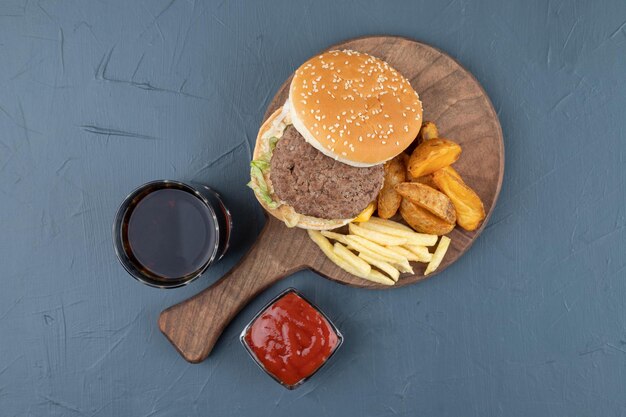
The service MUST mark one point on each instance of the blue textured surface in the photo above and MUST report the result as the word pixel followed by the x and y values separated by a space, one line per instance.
pixel 97 97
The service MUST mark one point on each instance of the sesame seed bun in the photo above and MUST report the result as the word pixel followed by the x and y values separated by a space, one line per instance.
pixel 285 212
pixel 354 107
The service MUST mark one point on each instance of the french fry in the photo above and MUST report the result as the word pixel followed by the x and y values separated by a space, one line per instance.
pixel 421 252
pixel 387 268
pixel 372 254
pixel 379 278
pixel 440 252
pixel 389 223
pixel 404 267
pixel 404 252
pixel 412 237
pixel 335 236
pixel 376 237
pixel 366 213
pixel 323 243
pixel 360 242
pixel 401 265
pixel 359 264
pixel 327 249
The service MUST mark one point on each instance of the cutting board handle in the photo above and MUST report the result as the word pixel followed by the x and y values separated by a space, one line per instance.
pixel 194 325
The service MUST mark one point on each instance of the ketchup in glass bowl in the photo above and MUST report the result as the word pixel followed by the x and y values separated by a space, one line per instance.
pixel 291 339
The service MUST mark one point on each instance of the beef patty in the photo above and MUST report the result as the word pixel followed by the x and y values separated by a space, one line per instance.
pixel 317 185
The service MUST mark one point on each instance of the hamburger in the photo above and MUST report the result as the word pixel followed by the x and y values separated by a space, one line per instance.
pixel 318 160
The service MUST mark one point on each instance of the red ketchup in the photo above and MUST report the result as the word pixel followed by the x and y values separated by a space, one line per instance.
pixel 291 339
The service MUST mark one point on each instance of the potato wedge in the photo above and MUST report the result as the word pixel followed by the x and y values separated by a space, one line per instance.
pixel 428 198
pixel 388 198
pixel 470 211
pixel 426 180
pixel 423 220
pixel 440 252
pixel 432 155
pixel 376 237
pixel 429 131
pixel 451 171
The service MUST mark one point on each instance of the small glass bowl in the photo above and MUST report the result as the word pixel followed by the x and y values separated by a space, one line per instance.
pixel 242 337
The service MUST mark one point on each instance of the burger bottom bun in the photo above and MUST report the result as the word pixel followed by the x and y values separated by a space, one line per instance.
pixel 285 212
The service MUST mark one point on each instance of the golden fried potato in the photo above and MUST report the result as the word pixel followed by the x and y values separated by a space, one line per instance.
pixel 428 198
pixel 429 131
pixel 422 220
pixel 405 159
pixel 426 180
pixel 432 155
pixel 366 213
pixel 452 172
pixel 388 198
pixel 470 211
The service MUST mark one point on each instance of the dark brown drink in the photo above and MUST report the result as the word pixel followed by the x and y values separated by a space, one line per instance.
pixel 170 233
pixel 167 233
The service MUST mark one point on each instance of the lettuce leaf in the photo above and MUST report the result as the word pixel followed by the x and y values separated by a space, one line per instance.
pixel 260 164
pixel 263 195
pixel 273 141
pixel 258 184
pixel 258 168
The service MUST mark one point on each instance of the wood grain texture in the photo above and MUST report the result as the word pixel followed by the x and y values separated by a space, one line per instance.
pixel 453 99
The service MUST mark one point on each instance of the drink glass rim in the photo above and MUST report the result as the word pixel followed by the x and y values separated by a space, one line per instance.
pixel 118 241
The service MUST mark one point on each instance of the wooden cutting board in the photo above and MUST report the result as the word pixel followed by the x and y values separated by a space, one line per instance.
pixel 452 98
